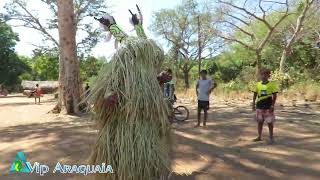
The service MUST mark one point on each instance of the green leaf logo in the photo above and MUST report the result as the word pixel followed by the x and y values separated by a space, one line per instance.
pixel 18 165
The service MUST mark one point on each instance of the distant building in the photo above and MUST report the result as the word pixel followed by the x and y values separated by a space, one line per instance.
pixel 47 87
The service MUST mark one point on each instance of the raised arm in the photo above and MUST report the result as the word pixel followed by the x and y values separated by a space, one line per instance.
pixel 109 24
pixel 137 21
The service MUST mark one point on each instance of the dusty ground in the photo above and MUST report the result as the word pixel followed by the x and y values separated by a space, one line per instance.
pixel 222 150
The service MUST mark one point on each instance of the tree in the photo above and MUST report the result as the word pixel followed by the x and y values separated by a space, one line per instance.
pixel 46 67
pixel 69 80
pixel 303 62
pixel 11 66
pixel 19 11
pixel 188 30
pixel 297 30
pixel 89 67
pixel 235 23
pixel 43 67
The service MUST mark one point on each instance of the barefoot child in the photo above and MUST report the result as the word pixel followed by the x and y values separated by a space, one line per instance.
pixel 203 89
pixel 266 92
pixel 37 93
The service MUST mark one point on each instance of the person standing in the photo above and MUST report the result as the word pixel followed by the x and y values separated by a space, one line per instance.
pixel 37 93
pixel 204 88
pixel 264 100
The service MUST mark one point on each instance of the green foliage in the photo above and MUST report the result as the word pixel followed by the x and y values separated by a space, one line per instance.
pixel 89 67
pixel 210 65
pixel 180 27
pixel 225 67
pixel 11 66
pixel 168 63
pixel 47 67
pixel 236 63
pixel 44 67
pixel 19 11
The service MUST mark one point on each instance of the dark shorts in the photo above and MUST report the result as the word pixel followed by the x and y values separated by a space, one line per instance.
pixel 203 105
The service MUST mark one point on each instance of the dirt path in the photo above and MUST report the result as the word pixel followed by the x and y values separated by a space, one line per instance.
pixel 222 150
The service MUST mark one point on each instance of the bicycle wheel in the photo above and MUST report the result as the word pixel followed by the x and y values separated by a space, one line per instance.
pixel 181 113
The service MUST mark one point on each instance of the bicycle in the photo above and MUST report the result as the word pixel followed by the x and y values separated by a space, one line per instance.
pixel 181 113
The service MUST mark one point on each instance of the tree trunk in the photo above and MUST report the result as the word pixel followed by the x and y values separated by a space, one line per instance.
pixel 298 28
pixel 283 60
pixel 199 68
pixel 186 78
pixel 199 46
pixel 258 62
pixel 69 81
pixel 176 60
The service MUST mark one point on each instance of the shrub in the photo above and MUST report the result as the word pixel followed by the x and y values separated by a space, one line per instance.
pixel 307 90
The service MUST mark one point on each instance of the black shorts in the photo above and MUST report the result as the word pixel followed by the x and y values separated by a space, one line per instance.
pixel 203 105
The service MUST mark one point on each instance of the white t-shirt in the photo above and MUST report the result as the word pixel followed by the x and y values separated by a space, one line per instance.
pixel 203 89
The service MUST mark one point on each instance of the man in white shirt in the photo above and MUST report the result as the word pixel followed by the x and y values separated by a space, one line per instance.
pixel 203 89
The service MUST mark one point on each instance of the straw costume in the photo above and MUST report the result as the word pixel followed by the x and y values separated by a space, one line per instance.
pixel 130 110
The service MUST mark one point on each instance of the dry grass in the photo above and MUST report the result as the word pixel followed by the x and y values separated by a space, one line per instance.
pixel 308 91
pixel 190 94
pixel 134 137
pixel 291 97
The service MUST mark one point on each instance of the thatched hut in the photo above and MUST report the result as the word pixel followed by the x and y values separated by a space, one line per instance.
pixel 46 86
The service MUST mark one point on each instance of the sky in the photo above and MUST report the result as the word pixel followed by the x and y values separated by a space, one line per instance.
pixel 119 8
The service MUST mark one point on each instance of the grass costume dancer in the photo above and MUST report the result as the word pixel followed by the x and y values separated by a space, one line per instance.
pixel 131 113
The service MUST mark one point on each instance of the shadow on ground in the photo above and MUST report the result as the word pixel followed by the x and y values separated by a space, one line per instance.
pixel 222 150
pixel 65 140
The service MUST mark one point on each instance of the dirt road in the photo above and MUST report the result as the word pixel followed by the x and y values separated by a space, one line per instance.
pixel 222 150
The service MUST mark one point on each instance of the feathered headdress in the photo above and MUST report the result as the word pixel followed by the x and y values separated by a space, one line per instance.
pixel 108 23
pixel 137 21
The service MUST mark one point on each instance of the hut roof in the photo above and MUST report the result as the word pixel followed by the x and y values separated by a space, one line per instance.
pixel 42 84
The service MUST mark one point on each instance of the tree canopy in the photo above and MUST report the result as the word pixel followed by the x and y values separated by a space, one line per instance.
pixel 254 33
pixel 11 66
